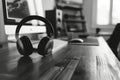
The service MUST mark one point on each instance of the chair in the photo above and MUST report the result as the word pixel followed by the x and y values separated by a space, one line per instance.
pixel 114 39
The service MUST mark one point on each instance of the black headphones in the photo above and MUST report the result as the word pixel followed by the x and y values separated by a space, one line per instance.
pixel 24 44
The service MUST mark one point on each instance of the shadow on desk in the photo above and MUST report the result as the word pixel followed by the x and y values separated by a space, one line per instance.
pixel 24 68
pixel 14 66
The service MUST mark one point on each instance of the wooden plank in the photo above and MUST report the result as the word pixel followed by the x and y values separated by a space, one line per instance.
pixel 68 71
pixel 107 64
pixel 88 63
pixel 86 69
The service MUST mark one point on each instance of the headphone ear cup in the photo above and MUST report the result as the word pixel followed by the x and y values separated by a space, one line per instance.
pixel 24 46
pixel 45 46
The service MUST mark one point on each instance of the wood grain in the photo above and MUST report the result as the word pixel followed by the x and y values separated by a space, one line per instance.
pixel 70 62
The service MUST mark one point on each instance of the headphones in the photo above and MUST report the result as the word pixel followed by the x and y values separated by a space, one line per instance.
pixel 24 45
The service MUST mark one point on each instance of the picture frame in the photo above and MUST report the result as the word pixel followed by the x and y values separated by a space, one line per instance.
pixel 15 10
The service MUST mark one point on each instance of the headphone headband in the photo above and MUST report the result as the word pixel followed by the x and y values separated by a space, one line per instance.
pixel 24 20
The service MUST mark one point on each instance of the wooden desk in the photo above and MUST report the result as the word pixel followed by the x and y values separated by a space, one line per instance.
pixel 72 62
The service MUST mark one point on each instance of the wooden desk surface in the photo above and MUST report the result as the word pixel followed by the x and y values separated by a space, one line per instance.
pixel 72 62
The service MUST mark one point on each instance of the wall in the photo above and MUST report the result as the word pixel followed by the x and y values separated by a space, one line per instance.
pixel 87 11
pixel 3 37
pixel 48 4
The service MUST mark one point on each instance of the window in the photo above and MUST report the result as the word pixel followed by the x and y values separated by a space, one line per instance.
pixel 116 11
pixel 108 12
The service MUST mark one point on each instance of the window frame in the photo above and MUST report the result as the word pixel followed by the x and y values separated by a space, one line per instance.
pixel 94 16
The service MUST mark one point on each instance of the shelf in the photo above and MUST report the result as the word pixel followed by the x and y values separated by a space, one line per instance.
pixel 75 21
pixel 70 7
pixel 73 16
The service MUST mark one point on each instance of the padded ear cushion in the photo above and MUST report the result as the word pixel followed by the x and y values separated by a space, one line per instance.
pixel 45 46
pixel 24 46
